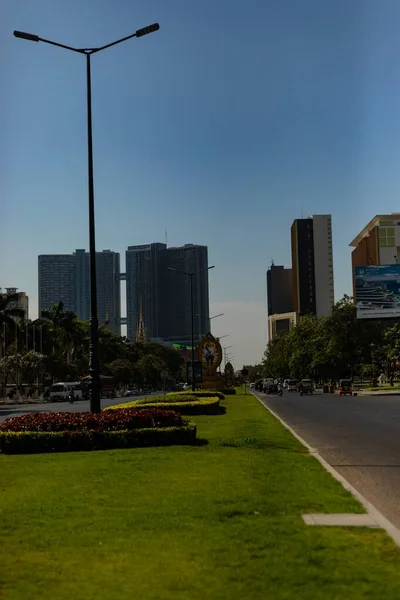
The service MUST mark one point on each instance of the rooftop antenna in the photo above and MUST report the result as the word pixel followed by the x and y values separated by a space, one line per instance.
pixel 272 262
pixel 166 237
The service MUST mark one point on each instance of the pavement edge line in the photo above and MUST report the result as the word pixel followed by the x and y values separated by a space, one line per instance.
pixel 378 517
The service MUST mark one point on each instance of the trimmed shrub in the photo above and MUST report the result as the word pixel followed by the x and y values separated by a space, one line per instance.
pixel 187 397
pixel 129 419
pixel 200 394
pixel 29 442
pixel 199 406
pixel 228 391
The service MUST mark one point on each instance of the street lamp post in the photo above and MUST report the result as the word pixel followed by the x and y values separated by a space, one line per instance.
pixel 191 275
pixel 225 353
pixel 209 319
pixel 94 334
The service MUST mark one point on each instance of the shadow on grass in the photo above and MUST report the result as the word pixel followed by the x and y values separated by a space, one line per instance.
pixel 221 410
pixel 200 442
pixel 250 442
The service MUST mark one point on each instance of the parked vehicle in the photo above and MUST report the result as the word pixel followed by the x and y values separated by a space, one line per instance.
pixel 252 386
pixel 132 392
pixel 259 385
pixel 346 387
pixel 305 387
pixel 270 386
pixel 59 392
pixel 291 385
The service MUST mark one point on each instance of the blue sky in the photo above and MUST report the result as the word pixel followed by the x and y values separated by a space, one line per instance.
pixel 224 126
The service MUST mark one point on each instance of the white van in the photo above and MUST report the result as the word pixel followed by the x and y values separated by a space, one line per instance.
pixel 59 391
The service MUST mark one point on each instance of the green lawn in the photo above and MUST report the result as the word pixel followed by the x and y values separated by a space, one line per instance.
pixel 382 388
pixel 218 521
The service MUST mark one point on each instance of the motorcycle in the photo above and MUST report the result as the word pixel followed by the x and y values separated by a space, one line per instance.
pixel 71 398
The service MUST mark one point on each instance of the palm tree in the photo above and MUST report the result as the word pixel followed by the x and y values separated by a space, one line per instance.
pixel 9 314
pixel 63 328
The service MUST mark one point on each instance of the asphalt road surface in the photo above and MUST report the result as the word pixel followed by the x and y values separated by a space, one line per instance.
pixel 14 410
pixel 359 436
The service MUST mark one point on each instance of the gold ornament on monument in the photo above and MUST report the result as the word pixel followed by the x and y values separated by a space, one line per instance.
pixel 210 354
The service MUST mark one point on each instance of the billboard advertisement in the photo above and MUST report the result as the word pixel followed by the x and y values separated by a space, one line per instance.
pixel 377 291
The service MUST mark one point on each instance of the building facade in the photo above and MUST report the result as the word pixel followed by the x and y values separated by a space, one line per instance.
pixel 66 278
pixel 312 265
pixel 279 290
pixel 162 295
pixel 177 326
pixel 377 244
pixel 145 276
pixel 57 281
pixel 280 323
pixel 22 303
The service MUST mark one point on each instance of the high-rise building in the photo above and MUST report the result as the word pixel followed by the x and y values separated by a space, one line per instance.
pixel 312 265
pixel 190 258
pixel 162 296
pixel 279 300
pixel 65 278
pixel 377 244
pixel 279 290
pixel 22 303
pixel 145 274
pixel 57 281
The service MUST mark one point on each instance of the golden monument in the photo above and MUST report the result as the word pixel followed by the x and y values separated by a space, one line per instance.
pixel 210 356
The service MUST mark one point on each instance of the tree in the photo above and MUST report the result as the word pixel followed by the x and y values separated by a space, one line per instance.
pixel 124 371
pixel 24 367
pixel 62 326
pixel 255 371
pixel 150 367
pixel 9 315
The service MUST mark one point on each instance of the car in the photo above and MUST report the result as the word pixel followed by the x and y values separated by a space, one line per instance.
pixel 132 392
pixel 252 386
pixel 291 385
pixel 187 386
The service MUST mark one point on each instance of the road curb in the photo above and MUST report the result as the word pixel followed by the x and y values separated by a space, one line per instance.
pixel 378 517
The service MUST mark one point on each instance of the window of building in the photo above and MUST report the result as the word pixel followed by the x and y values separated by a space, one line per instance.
pixel 386 237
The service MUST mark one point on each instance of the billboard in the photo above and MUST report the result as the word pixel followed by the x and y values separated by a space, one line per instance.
pixel 377 291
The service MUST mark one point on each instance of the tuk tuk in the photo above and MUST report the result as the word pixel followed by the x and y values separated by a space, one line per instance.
pixel 346 387
pixel 305 387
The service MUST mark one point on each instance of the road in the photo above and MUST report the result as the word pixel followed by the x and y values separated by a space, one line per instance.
pixel 14 410
pixel 359 436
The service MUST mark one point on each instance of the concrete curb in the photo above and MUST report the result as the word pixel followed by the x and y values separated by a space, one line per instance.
pixel 373 512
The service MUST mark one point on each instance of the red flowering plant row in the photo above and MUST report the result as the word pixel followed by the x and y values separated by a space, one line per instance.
pixel 118 420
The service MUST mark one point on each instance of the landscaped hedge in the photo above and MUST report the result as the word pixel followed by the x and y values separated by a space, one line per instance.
pixel 126 428
pixel 198 406
pixel 186 397
pixel 128 419
pixel 29 442
pixel 200 394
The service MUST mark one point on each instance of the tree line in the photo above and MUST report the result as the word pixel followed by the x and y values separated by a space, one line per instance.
pixel 56 347
pixel 334 347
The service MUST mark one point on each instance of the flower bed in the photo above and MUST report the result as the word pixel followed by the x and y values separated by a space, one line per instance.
pixel 196 406
pixel 61 432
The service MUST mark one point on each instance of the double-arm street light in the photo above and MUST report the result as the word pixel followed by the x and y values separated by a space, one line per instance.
pixel 209 319
pixel 191 275
pixel 94 335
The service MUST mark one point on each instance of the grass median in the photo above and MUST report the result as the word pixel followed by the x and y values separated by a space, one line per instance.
pixel 221 521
